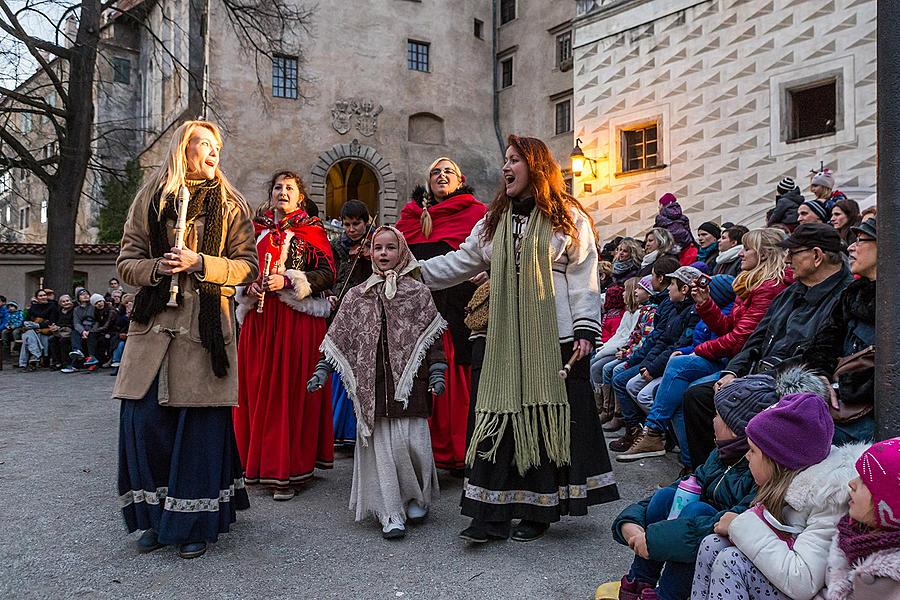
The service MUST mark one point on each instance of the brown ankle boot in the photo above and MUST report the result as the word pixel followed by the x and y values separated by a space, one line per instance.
pixel 607 404
pixel 616 423
pixel 632 432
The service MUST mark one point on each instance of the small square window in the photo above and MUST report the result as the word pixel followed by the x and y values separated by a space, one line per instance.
pixel 506 72
pixel 417 56
pixel 564 51
pixel 479 29
pixel 564 116
pixel 812 110
pixel 640 148
pixel 121 70
pixel 284 77
pixel 507 11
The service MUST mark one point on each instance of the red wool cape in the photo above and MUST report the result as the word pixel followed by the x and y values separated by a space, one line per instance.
pixel 283 432
pixel 453 220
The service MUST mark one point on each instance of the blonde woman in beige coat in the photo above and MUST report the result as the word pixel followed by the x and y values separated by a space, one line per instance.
pixel 179 471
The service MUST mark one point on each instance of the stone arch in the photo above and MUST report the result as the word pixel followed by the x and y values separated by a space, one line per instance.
pixel 387 180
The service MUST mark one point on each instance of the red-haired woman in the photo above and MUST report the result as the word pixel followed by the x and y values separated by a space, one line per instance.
pixel 436 222
pixel 537 449
pixel 283 431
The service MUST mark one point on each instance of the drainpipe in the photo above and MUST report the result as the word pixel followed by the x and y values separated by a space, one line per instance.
pixel 887 359
pixel 496 80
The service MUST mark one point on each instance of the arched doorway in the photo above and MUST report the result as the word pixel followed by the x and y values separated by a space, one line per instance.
pixel 350 180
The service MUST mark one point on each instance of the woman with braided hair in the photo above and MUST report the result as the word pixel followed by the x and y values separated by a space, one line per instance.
pixel 436 221
pixel 283 431
pixel 179 470
pixel 537 449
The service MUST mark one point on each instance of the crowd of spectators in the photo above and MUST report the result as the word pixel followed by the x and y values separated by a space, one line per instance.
pixel 86 332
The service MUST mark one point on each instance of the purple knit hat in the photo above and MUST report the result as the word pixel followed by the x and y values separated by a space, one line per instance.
pixel 795 432
pixel 879 468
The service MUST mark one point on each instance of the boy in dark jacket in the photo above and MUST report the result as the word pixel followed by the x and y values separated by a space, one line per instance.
pixel 665 549
pixel 787 200
pixel 678 331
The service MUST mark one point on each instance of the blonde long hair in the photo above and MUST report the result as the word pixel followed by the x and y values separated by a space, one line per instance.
pixel 167 178
pixel 772 493
pixel 631 302
pixel 771 259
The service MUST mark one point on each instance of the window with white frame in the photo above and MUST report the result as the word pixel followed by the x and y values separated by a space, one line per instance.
pixel 564 51
pixel 639 148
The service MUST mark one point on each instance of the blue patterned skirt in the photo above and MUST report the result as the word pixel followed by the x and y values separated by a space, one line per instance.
pixel 342 409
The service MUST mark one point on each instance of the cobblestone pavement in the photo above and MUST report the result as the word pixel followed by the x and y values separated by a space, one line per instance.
pixel 61 535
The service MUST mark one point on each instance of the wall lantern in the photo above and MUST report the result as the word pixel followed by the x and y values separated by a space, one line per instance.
pixel 578 159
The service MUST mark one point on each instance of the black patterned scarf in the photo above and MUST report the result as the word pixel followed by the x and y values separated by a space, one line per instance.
pixel 206 199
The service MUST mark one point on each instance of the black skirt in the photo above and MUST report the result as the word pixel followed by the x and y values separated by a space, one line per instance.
pixel 179 470
pixel 495 492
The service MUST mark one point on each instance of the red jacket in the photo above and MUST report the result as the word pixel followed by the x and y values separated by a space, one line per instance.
pixel 610 324
pixel 688 256
pixel 734 329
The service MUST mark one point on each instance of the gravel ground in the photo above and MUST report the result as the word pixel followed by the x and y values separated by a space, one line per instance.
pixel 61 535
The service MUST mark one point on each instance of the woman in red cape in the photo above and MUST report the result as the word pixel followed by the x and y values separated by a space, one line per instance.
pixel 283 431
pixel 436 221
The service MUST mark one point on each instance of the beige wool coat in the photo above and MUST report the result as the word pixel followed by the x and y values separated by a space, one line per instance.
pixel 170 344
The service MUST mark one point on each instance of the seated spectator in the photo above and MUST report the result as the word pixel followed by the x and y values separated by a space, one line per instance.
pixel 4 313
pixel 608 251
pixel 657 243
pixel 813 211
pixel 787 205
pixel 864 558
pixel 675 369
pixel 606 350
pixel 675 318
pixel 673 219
pixel 850 329
pixel 627 262
pixel 121 332
pixel 105 317
pixel 61 333
pixel 83 323
pixel 42 315
pixel 613 309
pixel 844 217
pixel 115 300
pixel 114 286
pixel 15 319
pixel 787 329
pixel 647 297
pixel 666 548
pixel 605 275
pixel 729 260
pixel 708 240
pixel 821 185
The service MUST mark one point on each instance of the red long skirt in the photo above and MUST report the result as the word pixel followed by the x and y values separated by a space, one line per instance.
pixel 283 432
pixel 450 413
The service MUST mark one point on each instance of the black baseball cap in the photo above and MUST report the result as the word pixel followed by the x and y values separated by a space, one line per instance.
pixel 814 235
pixel 868 227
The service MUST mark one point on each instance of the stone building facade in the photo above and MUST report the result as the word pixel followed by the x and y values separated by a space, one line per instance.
pixel 717 101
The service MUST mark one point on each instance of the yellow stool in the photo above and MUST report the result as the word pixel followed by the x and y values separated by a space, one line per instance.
pixel 608 591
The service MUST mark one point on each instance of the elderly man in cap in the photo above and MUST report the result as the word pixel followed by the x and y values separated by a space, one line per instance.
pixel 787 329
pixel 851 331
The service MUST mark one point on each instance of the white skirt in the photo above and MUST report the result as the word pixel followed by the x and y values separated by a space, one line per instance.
pixel 392 468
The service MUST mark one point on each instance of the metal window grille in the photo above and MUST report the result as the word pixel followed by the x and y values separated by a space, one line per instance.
pixel 284 77
pixel 563 116
pixel 640 148
pixel 417 56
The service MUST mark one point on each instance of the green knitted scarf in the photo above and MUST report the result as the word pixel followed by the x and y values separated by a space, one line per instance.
pixel 519 384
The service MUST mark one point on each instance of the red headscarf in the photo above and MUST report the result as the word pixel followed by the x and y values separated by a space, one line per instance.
pixel 305 228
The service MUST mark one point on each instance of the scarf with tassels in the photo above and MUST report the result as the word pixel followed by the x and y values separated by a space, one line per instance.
pixel 207 198
pixel 413 325
pixel 519 385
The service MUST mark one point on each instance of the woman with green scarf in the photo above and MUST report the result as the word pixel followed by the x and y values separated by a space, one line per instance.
pixel 537 449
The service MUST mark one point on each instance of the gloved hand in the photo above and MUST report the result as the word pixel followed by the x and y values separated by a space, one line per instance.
pixel 319 376
pixel 436 381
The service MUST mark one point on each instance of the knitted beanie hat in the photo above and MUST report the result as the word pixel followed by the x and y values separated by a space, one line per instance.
pixel 879 468
pixel 743 399
pixel 614 299
pixel 95 298
pixel 796 432
pixel 819 209
pixel 721 290
pixel 786 185
pixel 646 282
pixel 668 198
pixel 823 178
pixel 700 266
pixel 711 228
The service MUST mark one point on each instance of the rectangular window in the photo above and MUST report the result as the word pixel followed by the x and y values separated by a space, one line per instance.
pixel 284 77
pixel 507 11
pixel 27 122
pixel 5 185
pixel 43 211
pixel 640 148
pixel 564 51
pixel 479 29
pixel 121 70
pixel 506 72
pixel 564 116
pixel 24 217
pixel 812 110
pixel 8 213
pixel 417 58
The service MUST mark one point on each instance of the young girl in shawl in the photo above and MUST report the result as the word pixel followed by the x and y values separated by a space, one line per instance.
pixel 382 343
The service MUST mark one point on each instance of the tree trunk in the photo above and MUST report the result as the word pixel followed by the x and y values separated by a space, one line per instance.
pixel 74 152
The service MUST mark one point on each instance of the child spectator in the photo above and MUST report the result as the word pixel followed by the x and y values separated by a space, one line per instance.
pixel 787 205
pixel 665 549
pixel 14 321
pixel 382 341
pixel 606 351
pixel 864 560
pixel 779 548
pixel 672 218
pixel 613 309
